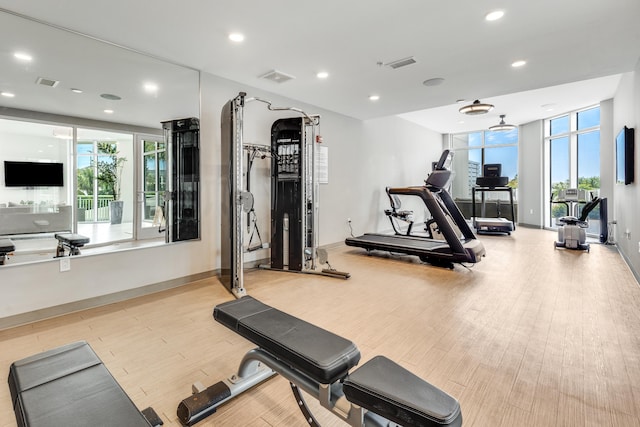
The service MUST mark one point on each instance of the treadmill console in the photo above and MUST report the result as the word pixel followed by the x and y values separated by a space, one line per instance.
pixel 572 195
pixel 492 176
pixel 492 170
pixel 492 181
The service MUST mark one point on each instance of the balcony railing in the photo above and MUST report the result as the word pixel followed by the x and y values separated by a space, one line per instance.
pixel 87 211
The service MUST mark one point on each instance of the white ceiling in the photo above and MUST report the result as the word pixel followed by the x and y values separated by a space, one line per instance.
pixel 563 42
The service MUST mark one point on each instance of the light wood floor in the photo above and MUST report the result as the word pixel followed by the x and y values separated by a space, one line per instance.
pixel 531 336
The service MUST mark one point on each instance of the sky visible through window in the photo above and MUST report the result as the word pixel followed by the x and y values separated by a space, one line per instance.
pixel 506 156
pixel 588 146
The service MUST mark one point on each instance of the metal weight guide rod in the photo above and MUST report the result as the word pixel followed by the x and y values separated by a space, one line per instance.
pixel 234 198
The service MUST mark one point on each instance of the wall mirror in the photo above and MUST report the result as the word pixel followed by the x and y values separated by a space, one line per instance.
pixel 93 112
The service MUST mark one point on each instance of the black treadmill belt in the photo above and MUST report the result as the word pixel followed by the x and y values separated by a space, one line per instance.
pixel 417 246
pixel 401 242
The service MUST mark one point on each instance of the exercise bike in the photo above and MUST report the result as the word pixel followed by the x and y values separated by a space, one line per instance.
pixel 572 233
pixel 397 214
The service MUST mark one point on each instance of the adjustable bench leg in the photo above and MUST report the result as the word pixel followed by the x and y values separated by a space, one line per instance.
pixel 308 416
pixel 205 402
pixel 60 250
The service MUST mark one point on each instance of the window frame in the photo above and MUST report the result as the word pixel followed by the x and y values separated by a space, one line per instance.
pixel 572 134
pixel 484 146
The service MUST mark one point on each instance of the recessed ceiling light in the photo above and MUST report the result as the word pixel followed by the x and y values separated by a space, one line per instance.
pixel 22 56
pixel 8 94
pixel 460 101
pixel 76 90
pixel 151 87
pixel 374 97
pixel 108 111
pixel 322 75
pixel 519 63
pixel 236 37
pixel 494 16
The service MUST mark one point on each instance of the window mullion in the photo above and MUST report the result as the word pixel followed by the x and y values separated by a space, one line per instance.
pixel 573 160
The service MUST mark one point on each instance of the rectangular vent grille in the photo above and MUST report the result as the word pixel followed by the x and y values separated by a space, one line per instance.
pixel 276 76
pixel 401 62
pixel 47 82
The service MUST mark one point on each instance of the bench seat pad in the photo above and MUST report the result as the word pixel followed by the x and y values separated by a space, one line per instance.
pixel 72 238
pixel 388 389
pixel 69 386
pixel 316 352
pixel 6 245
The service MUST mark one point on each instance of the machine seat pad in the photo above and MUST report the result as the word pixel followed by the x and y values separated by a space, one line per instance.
pixel 386 388
pixel 69 386
pixel 319 354
pixel 572 220
pixel 6 246
pixel 72 239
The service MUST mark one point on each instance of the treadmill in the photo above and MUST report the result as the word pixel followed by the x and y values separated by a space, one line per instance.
pixel 442 208
pixel 489 182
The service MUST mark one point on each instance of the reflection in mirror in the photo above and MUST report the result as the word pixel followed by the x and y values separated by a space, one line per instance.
pixel 96 110
pixel 104 176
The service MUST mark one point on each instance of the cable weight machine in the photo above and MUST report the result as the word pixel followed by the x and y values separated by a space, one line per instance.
pixel 294 198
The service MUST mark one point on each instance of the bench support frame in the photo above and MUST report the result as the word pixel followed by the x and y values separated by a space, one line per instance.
pixel 258 365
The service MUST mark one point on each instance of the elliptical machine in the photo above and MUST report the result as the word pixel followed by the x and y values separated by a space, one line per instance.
pixel 572 234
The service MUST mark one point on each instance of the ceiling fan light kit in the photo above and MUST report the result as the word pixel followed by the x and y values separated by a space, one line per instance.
pixel 502 125
pixel 476 108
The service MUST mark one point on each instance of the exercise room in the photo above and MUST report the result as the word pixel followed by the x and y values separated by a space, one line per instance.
pixel 356 214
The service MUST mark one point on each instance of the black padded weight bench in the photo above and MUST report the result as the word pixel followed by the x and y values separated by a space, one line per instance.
pixel 6 247
pixel 70 386
pixel 379 393
pixel 70 241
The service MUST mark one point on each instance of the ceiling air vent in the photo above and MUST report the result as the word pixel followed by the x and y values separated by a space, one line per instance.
pixel 47 82
pixel 276 76
pixel 401 62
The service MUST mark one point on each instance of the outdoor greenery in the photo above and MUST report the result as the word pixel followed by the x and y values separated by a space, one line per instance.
pixel 587 183
pixel 109 167
pixel 85 181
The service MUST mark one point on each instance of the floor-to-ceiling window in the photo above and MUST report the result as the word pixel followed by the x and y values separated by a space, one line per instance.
pixel 475 149
pixel 572 147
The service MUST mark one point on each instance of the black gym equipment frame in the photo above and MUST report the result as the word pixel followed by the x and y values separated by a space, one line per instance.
pixel 182 199
pixel 443 209
pixel 492 225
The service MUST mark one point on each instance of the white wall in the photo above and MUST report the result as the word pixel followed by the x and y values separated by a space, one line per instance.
pixel 364 157
pixel 393 153
pixel 626 112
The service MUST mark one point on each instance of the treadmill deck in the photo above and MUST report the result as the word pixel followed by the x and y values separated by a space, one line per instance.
pixel 493 225
pixel 418 246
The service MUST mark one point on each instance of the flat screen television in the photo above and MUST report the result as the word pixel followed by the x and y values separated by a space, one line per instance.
pixel 624 156
pixel 33 174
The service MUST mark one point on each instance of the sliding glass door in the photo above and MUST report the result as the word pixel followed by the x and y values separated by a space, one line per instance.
pixel 104 195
